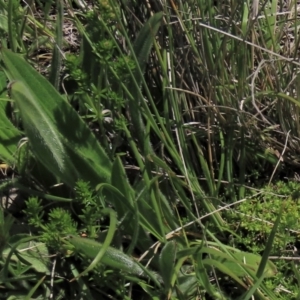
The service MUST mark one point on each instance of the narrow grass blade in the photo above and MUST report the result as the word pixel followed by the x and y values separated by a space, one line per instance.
pixel 141 47
pixel 125 206
pixel 56 54
pixel 12 31
pixel 264 261
pixel 36 286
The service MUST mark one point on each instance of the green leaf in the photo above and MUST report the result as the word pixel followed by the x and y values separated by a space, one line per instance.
pixel 36 255
pixel 9 134
pixel 45 139
pixel 59 139
pixel 9 137
pixel 167 263
pixel 141 47
pixel 112 257
pixel 225 269
pixel 124 204
pixel 120 181
pixel 264 269
pixel 204 280
pixel 54 75
pixel 240 263
pixel 144 41
pixel 6 223
pixel 187 285
pixel 104 247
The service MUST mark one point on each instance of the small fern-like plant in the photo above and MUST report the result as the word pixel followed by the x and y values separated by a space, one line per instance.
pixel 59 222
pixel 253 220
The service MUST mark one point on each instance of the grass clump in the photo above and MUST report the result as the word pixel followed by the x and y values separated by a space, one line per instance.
pixel 142 122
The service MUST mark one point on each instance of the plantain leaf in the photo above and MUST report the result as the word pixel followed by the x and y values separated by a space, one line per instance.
pixel 9 137
pixel 36 255
pixel 112 257
pixel 59 139
pixel 9 134
pixel 167 263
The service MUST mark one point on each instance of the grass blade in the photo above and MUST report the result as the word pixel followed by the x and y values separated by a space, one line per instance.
pixel 141 47
pixel 56 55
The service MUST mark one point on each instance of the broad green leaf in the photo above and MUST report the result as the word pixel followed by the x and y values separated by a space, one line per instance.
pixel 204 278
pixel 9 134
pixel 9 137
pixel 237 260
pixel 112 257
pixel 22 296
pixel 35 255
pixel 104 247
pixel 15 242
pixel 167 263
pixel 59 139
pixel 42 134
pixel 240 263
pixel 3 23
pixel 186 285
pixel 225 269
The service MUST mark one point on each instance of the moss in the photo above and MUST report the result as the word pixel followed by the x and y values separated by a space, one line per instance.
pixel 253 219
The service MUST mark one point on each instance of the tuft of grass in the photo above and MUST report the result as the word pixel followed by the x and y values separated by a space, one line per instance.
pixel 188 106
